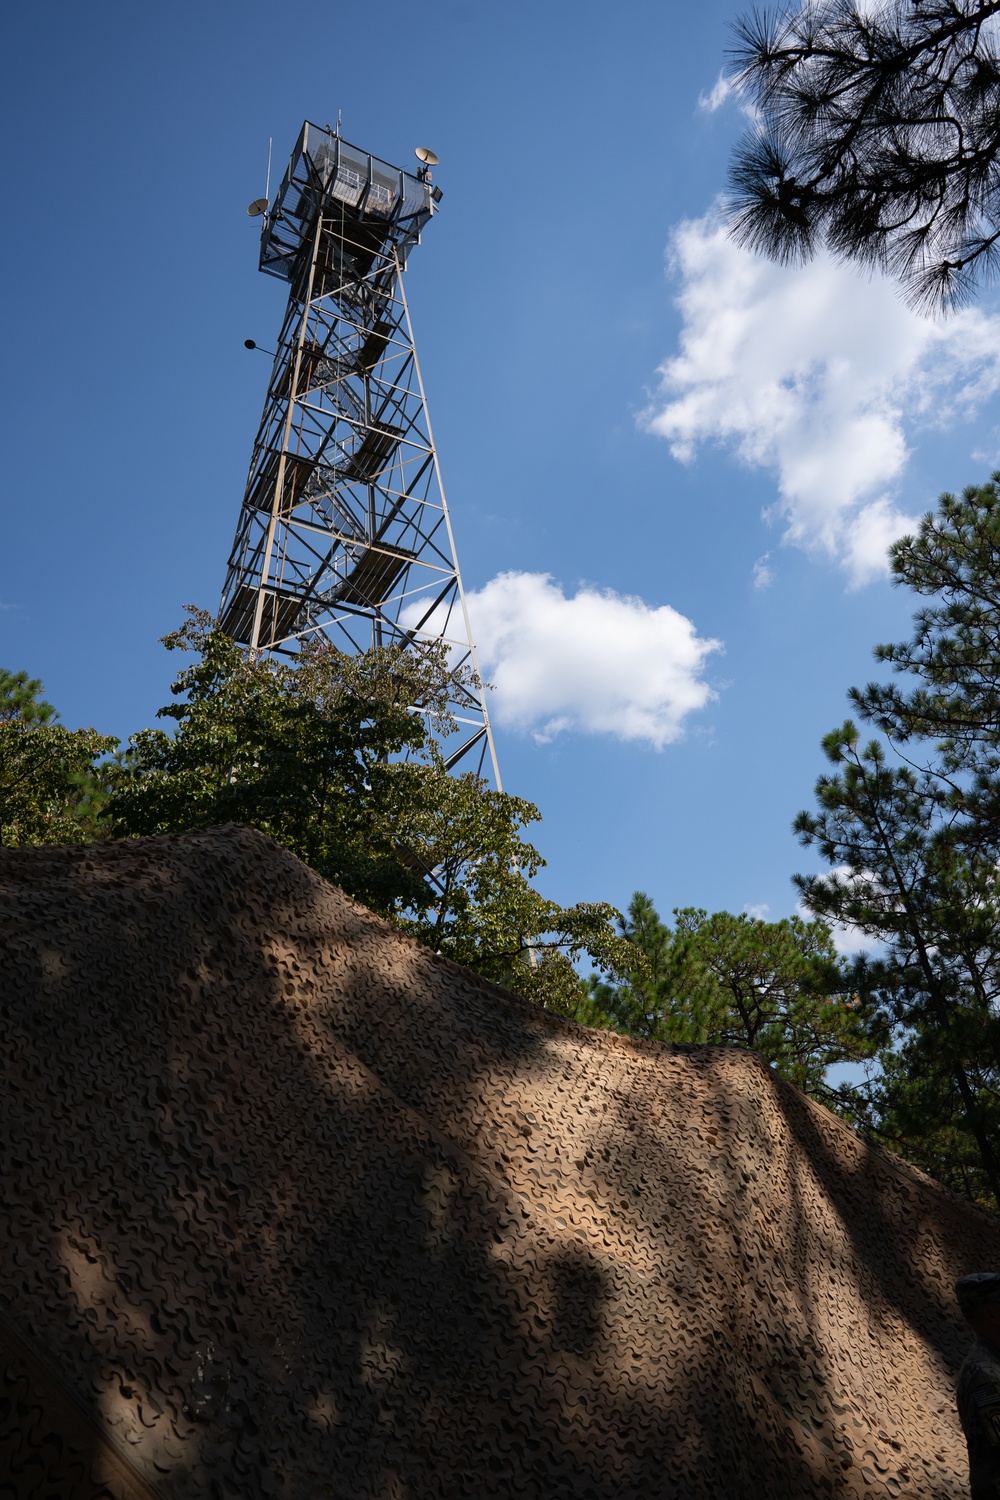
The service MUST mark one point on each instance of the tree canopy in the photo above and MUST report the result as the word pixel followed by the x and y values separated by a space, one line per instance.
pixel 952 660
pixel 903 877
pixel 909 824
pixel 332 757
pixel 50 789
pixel 878 135
pixel 771 987
pixel 308 753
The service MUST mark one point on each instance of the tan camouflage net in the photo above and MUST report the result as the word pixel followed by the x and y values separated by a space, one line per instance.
pixel 293 1207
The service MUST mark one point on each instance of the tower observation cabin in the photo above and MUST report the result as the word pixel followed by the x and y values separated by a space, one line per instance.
pixel 344 529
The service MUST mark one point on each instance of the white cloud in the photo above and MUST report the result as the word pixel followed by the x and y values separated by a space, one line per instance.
pixel 596 662
pixel 989 453
pixel 819 374
pixel 763 573
pixel 716 96
pixel 722 91
pixel 758 912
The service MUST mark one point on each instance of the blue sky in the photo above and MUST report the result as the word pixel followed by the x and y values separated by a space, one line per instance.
pixel 691 447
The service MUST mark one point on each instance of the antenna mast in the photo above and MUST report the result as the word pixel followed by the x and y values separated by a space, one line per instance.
pixel 344 529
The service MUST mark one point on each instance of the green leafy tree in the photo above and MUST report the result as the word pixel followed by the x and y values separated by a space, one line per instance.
pixel 771 987
pixel 329 758
pixel 51 791
pixel 310 754
pixel 479 905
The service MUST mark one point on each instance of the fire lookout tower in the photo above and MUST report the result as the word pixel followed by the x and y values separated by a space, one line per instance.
pixel 344 527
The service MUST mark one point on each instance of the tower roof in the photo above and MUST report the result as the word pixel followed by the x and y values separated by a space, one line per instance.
pixel 326 175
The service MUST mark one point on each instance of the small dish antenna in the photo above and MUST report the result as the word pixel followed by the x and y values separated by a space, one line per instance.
pixel 257 207
pixel 427 156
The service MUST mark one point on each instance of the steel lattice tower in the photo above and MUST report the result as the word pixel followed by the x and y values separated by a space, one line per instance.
pixel 344 527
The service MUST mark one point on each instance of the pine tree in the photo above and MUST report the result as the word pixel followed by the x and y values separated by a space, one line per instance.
pixel 904 876
pixel 725 980
pixel 51 791
pixel 910 825
pixel 878 134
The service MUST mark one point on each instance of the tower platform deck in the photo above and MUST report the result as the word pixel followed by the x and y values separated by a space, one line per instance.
pixel 375 202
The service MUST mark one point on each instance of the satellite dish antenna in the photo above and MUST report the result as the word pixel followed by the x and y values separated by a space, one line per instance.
pixel 257 207
pixel 427 156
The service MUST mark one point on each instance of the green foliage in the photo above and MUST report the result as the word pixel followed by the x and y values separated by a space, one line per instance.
pixel 481 909
pixel 954 652
pixel 20 702
pixel 664 1000
pixel 50 789
pixel 328 757
pixel 304 753
pixel 908 876
pixel 909 824
pixel 737 981
pixel 913 1108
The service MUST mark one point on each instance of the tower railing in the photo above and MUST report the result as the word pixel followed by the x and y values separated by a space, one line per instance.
pixel 344 529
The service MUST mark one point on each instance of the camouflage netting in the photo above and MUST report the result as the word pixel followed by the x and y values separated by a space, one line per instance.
pixel 293 1207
